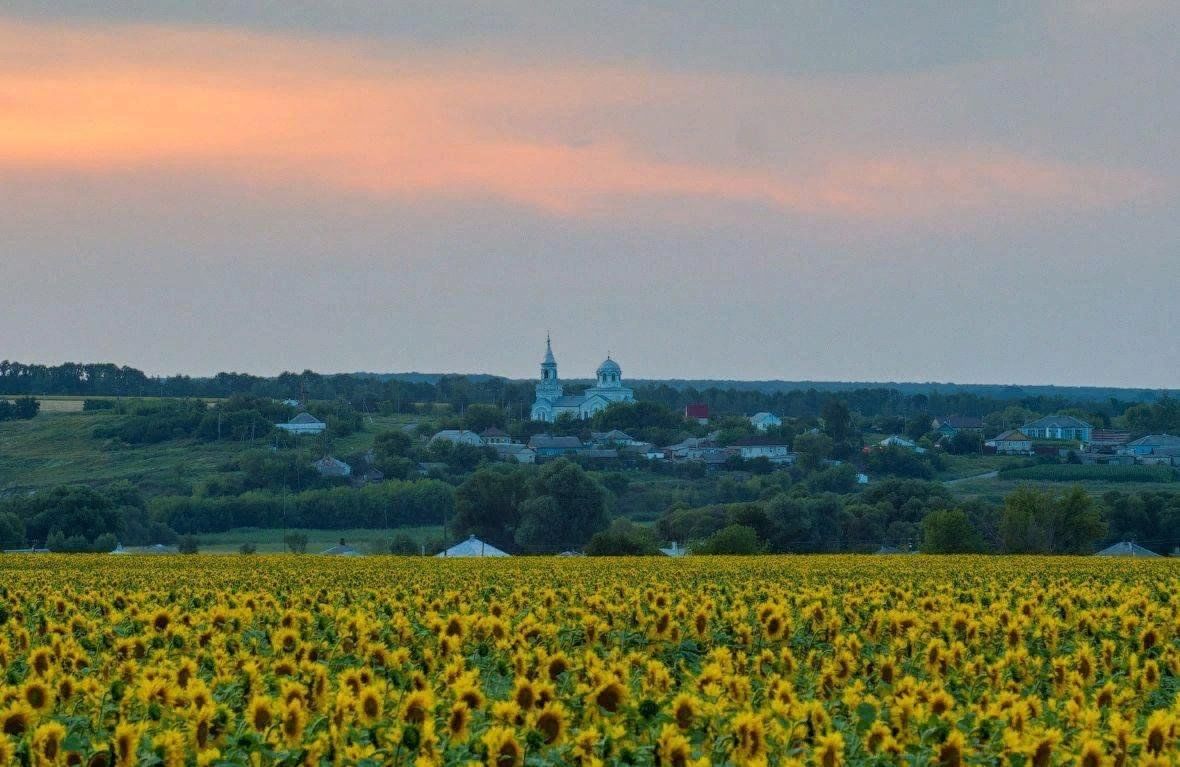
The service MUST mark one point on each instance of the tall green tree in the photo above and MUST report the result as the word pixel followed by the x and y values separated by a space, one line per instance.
pixel 949 531
pixel 488 503
pixel 566 508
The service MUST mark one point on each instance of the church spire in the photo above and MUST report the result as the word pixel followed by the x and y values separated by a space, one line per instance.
pixel 549 359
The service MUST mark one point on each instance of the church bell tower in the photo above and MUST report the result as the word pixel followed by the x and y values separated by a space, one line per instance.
pixel 549 386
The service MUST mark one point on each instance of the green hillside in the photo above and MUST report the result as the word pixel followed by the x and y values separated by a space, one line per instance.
pixel 59 448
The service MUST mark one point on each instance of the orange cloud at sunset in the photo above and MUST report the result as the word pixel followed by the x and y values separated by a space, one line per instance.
pixel 402 124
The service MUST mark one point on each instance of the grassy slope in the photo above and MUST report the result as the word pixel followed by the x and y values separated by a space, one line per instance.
pixel 59 448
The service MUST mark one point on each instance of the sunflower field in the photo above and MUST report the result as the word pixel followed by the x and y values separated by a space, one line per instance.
pixel 825 661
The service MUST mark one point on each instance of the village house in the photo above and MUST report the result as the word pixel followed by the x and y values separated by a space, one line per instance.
pixel 1059 427
pixel 546 446
pixel 764 421
pixel 697 411
pixel 458 436
pixel 613 438
pixel 764 447
pixel 896 440
pixel 514 451
pixel 1108 440
pixel 1013 442
pixel 304 424
pixel 951 425
pixel 495 436
pixel 331 467
pixel 1155 449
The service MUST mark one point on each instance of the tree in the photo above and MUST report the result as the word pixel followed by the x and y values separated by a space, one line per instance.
pixel 296 542
pixel 26 408
pixel 12 531
pixel 966 442
pixel 487 503
pixel 568 506
pixel 837 420
pixel 949 531
pixel 1037 521
pixel 403 545
pixel 188 544
pixel 813 449
pixel 898 461
pixel 622 538
pixel 733 539
pixel 479 417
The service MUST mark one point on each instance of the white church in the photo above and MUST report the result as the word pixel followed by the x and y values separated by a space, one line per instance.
pixel 552 401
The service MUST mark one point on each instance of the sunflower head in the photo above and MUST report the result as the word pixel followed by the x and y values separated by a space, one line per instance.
pixel 458 720
pixel 502 748
pixel 370 705
pixel 47 739
pixel 260 713
pixel 551 723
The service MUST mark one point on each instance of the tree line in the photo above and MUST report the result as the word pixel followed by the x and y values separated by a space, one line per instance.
pixel 371 393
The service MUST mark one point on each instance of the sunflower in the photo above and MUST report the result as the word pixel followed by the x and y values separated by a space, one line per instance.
pixel 685 710
pixel 952 751
pixel 7 751
pixel 1158 732
pixel 292 721
pixel 1041 747
pixel 260 713
pixel 170 747
pixel 38 695
pixel 201 723
pixel 557 665
pixel 40 660
pixel 502 748
pixel 673 749
pixel 126 743
pixel 470 695
pixel 1092 754
pixel 829 750
pixel 551 723
pixel 15 719
pixel 749 737
pixel 458 720
pixel 370 705
pixel 46 744
pixel 160 621
pixel 417 706
pixel 609 696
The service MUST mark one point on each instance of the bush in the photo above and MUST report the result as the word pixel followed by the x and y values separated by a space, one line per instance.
pixel 735 539
pixel 622 538
pixel 20 409
pixel 187 544
pixel 92 405
pixel 296 542
pixel 248 548
pixel 403 545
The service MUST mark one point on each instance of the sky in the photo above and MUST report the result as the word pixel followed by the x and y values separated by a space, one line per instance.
pixel 977 192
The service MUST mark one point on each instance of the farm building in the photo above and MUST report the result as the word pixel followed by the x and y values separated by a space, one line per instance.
pixel 1126 549
pixel 472 547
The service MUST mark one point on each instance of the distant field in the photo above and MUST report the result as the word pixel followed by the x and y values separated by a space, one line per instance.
pixel 271 541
